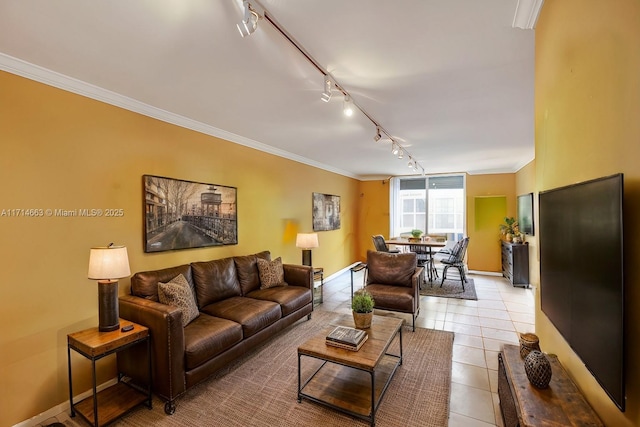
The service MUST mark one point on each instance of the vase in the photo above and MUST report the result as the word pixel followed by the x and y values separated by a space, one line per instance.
pixel 528 343
pixel 362 320
pixel 538 369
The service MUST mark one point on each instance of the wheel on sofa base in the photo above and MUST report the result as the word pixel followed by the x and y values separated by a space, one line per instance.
pixel 169 408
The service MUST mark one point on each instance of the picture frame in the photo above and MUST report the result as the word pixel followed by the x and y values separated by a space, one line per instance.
pixel 525 214
pixel 180 214
pixel 326 212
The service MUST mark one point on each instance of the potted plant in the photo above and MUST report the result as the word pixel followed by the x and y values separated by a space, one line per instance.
pixel 362 308
pixel 510 231
pixel 415 235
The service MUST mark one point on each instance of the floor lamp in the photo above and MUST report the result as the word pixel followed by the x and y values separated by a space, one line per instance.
pixel 307 241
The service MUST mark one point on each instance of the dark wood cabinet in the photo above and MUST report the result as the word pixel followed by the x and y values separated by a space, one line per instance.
pixel 515 263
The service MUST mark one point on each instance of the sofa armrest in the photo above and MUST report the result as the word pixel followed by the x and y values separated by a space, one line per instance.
pixel 298 275
pixel 167 345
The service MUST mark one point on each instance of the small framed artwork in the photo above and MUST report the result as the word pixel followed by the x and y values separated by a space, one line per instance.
pixel 525 214
pixel 326 212
pixel 181 214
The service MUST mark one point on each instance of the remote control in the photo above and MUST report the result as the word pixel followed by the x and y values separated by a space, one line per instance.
pixel 127 328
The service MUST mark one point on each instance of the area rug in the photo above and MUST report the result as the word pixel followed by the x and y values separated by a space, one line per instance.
pixel 450 289
pixel 261 389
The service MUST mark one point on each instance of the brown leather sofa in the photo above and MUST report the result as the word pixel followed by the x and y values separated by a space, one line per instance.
pixel 235 315
pixel 393 279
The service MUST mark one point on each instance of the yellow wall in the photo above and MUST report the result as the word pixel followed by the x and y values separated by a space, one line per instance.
pixel 484 253
pixel 374 214
pixel 63 151
pixel 587 105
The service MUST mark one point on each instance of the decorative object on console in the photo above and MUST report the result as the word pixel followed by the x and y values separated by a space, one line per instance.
pixel 362 307
pixel 183 214
pixel 538 369
pixel 307 241
pixel 326 212
pixel 528 343
pixel 106 265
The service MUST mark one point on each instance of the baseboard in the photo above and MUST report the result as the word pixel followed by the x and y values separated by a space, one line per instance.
pixel 63 407
pixel 485 273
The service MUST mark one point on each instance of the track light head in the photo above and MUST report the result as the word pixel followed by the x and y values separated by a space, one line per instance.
pixel 249 21
pixel 348 106
pixel 400 154
pixel 378 134
pixel 395 149
pixel 326 94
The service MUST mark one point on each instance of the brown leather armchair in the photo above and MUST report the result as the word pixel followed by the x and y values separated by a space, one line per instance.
pixel 394 282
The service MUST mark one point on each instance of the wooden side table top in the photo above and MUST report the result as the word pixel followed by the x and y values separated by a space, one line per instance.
pixel 381 333
pixel 560 404
pixel 94 343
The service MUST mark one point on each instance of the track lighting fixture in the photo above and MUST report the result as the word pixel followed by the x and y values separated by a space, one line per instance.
pixel 378 134
pixel 248 26
pixel 326 95
pixel 348 106
pixel 249 21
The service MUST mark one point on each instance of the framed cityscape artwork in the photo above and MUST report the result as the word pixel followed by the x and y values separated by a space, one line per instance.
pixel 181 214
pixel 326 212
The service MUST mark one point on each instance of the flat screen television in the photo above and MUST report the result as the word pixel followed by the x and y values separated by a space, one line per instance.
pixel 581 275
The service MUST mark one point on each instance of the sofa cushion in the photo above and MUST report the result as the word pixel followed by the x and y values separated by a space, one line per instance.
pixel 391 269
pixel 398 298
pixel 145 284
pixel 247 267
pixel 177 292
pixel 290 298
pixel 253 314
pixel 208 336
pixel 215 281
pixel 271 273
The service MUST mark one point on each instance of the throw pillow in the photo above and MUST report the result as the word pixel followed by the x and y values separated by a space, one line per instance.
pixel 177 292
pixel 271 273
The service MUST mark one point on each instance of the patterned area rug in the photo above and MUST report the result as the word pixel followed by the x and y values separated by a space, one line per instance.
pixel 261 389
pixel 450 289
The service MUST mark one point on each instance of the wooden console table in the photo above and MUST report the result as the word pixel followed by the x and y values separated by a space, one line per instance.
pixel 523 405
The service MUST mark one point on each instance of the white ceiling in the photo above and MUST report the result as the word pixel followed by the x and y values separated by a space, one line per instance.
pixel 450 80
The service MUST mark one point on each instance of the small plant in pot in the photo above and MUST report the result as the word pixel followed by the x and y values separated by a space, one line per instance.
pixel 362 307
pixel 416 235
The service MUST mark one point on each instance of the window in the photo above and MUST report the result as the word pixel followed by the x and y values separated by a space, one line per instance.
pixel 434 205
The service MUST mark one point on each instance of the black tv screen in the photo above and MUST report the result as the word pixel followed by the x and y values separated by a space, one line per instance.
pixel 581 274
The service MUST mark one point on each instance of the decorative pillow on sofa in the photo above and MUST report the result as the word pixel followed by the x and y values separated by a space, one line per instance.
pixel 271 273
pixel 177 292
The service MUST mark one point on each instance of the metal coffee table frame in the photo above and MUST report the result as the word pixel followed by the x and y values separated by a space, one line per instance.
pixel 386 368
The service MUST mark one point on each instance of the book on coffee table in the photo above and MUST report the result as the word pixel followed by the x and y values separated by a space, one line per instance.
pixel 345 337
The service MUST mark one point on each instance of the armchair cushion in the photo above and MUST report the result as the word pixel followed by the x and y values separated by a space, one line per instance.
pixel 391 269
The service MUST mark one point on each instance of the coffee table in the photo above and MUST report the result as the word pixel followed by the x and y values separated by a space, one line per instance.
pixel 353 382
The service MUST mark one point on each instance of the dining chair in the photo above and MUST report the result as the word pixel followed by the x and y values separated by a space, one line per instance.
pixel 456 259
pixel 381 245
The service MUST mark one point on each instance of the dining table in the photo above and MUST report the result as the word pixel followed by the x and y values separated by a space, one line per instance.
pixel 424 242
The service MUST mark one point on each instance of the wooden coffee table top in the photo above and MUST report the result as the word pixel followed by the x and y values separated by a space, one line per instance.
pixel 381 334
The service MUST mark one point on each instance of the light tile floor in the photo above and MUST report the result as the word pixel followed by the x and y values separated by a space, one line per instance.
pixel 481 327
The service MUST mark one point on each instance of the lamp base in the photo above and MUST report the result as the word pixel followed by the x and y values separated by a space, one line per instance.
pixel 108 313
pixel 306 257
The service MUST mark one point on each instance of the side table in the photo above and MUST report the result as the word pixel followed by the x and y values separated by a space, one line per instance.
pixel 318 275
pixel 123 396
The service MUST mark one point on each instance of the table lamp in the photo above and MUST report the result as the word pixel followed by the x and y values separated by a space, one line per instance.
pixel 307 241
pixel 106 265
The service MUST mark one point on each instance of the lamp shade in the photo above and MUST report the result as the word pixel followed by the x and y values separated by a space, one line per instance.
pixel 108 263
pixel 307 240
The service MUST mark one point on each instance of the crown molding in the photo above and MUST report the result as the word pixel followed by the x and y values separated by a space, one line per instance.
pixel 527 12
pixel 52 78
